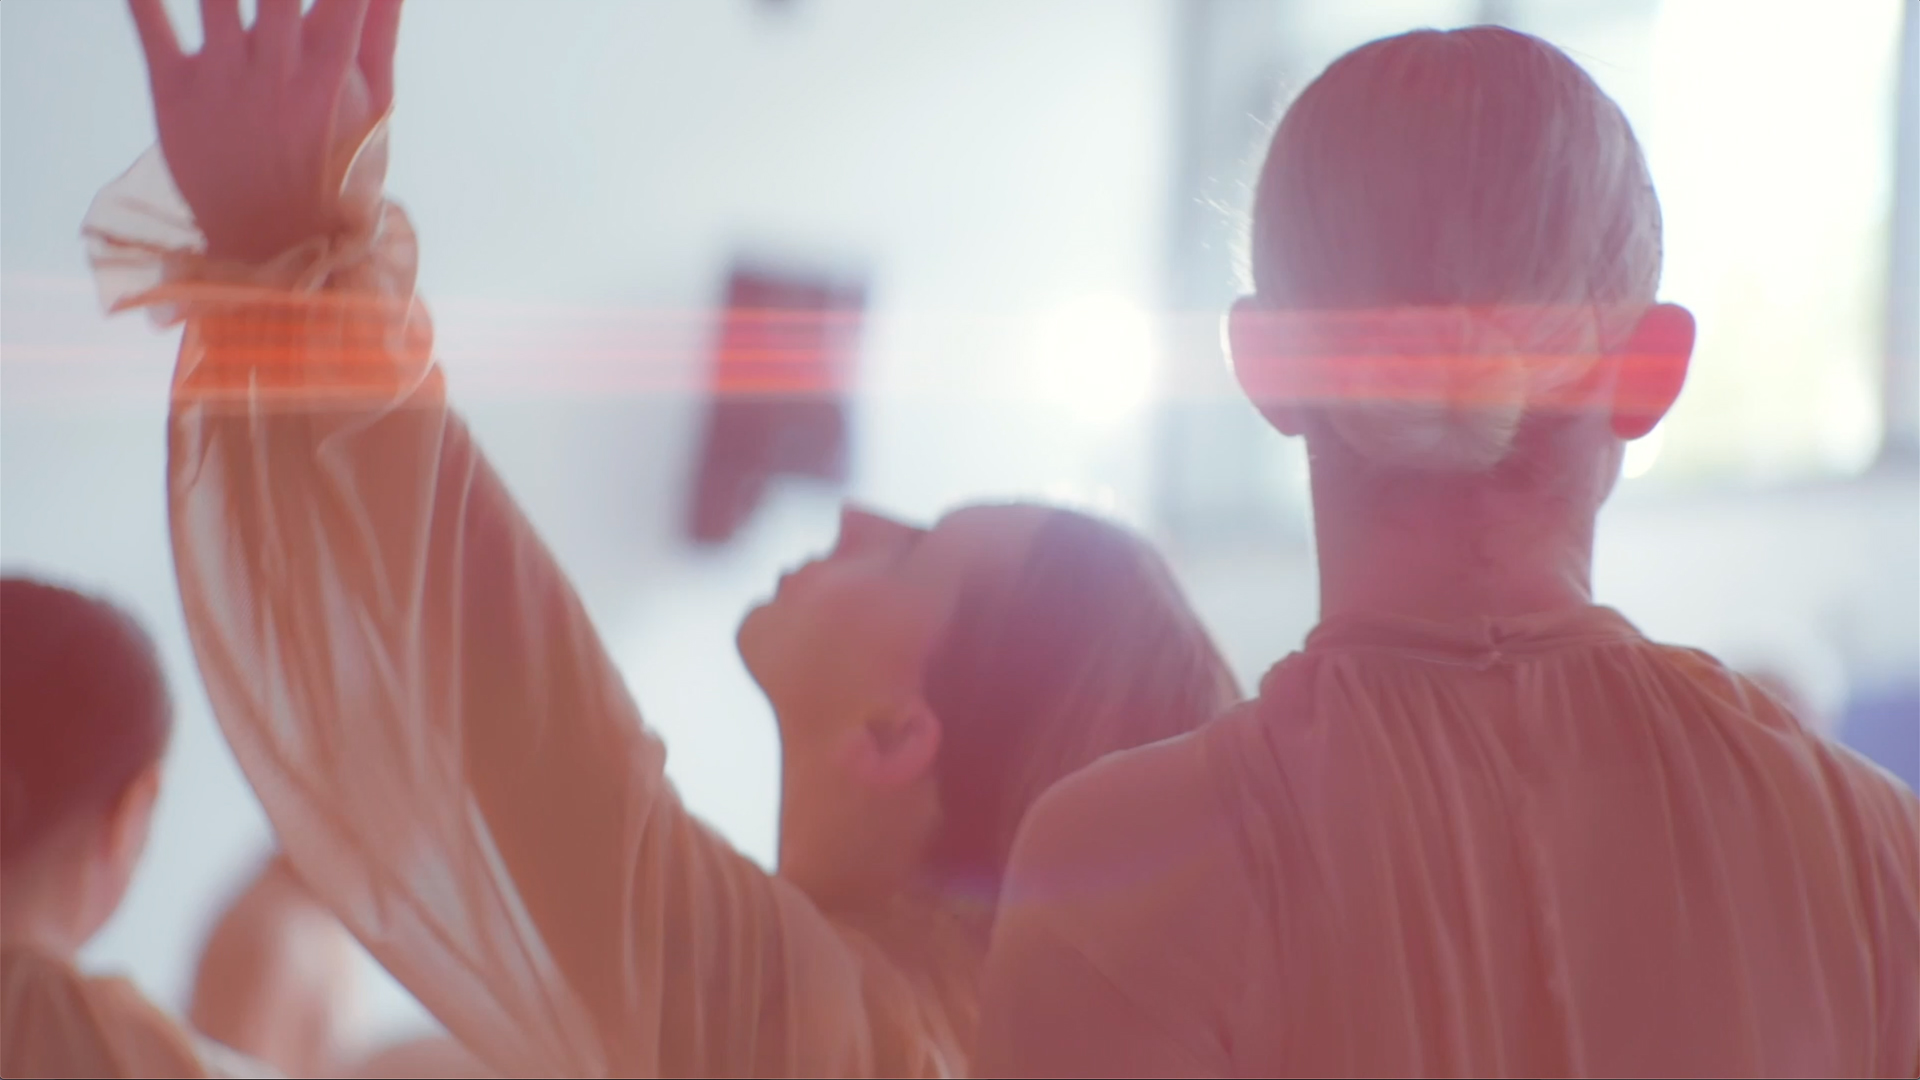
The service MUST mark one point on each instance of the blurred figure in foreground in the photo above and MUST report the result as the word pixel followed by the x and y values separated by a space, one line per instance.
pixel 277 982
pixel 84 723
pixel 446 751
pixel 276 978
pixel 1479 825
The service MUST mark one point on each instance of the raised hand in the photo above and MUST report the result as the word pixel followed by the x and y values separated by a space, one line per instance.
pixel 259 127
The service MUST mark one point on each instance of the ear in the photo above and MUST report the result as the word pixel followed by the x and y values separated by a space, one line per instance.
pixel 1652 369
pixel 1254 349
pixel 132 814
pixel 896 747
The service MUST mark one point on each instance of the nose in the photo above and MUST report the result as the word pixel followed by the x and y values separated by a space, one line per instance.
pixel 862 530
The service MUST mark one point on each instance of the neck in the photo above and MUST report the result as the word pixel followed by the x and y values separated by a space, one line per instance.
pixel 852 848
pixel 1450 552
pixel 923 927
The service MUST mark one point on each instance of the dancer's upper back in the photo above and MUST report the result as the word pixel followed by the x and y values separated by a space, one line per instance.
pixel 1533 847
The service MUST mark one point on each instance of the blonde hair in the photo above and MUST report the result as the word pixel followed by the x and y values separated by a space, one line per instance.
pixel 1480 184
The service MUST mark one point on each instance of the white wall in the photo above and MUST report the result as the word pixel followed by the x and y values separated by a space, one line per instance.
pixel 579 173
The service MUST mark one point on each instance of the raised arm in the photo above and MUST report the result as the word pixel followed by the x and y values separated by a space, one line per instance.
pixel 413 690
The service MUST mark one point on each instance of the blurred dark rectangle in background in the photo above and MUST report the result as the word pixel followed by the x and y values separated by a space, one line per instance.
pixel 782 369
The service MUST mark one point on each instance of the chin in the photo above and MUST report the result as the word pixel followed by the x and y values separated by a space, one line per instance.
pixel 747 636
pixel 777 645
pixel 758 641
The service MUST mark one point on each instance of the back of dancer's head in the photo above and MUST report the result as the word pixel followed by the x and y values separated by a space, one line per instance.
pixel 84 712
pixel 1091 648
pixel 1475 168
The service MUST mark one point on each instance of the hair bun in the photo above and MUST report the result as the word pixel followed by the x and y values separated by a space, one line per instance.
pixel 1445 391
pixel 1367 200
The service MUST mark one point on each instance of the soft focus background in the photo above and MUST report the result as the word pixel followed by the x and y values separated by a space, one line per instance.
pixel 1046 195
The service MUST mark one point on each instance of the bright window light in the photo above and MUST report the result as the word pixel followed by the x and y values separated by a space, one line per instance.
pixel 1642 453
pixel 1769 131
pixel 1095 359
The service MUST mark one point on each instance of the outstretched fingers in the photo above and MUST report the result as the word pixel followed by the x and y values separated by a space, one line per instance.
pixel 157 39
pixel 220 25
pixel 276 29
pixel 331 33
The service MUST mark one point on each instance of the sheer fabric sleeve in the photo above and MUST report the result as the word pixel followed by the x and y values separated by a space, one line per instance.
pixel 446 752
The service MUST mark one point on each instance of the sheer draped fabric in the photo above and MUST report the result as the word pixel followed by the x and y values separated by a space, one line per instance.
pixel 444 748
pixel 1525 847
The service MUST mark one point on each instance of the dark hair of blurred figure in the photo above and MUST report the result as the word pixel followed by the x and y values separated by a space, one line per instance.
pixel 1091 647
pixel 84 724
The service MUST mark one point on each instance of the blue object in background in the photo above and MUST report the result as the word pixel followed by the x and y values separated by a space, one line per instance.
pixel 1886 728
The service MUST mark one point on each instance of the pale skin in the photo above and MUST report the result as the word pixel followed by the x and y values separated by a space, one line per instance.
pixel 276 978
pixel 61 895
pixel 841 651
pixel 1441 551
pixel 277 982
pixel 250 124
pixel 250 127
